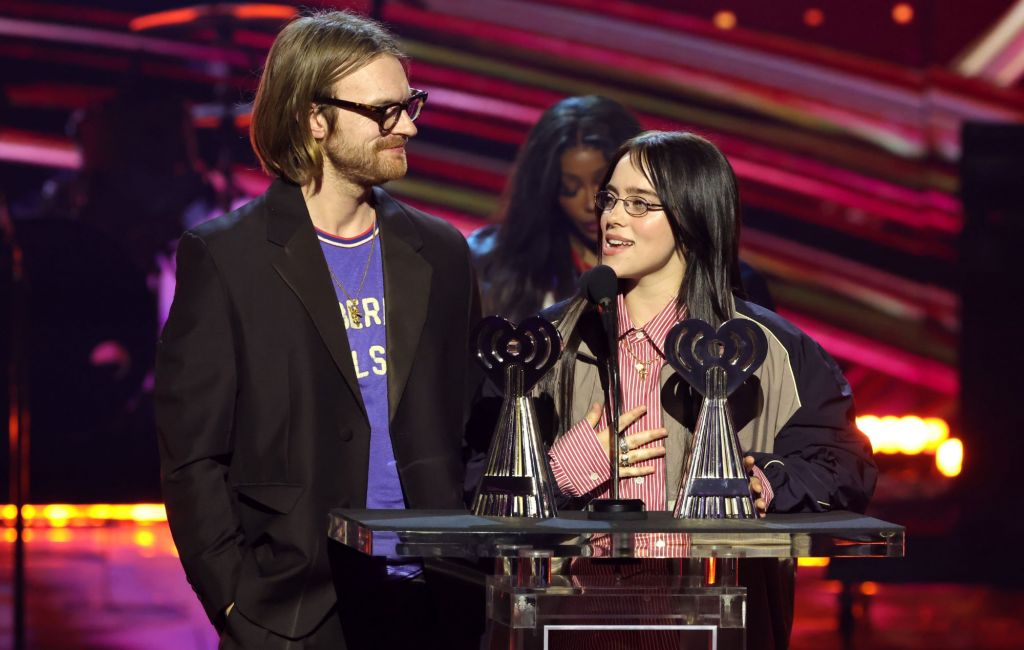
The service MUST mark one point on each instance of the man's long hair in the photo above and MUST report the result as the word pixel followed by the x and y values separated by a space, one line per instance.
pixel 309 55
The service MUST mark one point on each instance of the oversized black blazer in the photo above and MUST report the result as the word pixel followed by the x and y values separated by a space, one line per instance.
pixel 261 422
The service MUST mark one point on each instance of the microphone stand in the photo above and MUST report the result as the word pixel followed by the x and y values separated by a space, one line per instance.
pixel 613 507
pixel 614 402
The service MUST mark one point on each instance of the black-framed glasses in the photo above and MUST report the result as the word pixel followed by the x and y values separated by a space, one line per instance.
pixel 634 205
pixel 386 116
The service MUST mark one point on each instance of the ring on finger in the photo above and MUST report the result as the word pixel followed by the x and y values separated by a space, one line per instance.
pixel 623 445
pixel 624 459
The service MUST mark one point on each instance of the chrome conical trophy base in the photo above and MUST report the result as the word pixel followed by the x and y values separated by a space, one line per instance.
pixel 715 484
pixel 517 481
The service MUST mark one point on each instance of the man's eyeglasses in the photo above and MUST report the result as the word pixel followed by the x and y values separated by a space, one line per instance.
pixel 634 205
pixel 386 116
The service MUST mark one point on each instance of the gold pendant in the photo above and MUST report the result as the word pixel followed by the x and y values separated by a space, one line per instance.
pixel 641 368
pixel 354 314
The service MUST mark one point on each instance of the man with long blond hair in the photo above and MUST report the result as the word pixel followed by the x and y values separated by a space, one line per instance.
pixel 316 357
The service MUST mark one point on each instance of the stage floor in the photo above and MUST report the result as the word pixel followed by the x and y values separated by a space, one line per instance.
pixel 121 587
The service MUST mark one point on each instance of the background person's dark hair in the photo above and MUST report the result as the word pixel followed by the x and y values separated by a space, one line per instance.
pixel 697 187
pixel 532 255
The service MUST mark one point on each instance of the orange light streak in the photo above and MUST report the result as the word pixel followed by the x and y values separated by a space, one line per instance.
pixel 912 435
pixel 263 11
pixel 711 574
pixel 909 434
pixel 185 15
pixel 812 561
pixel 163 19
pixel 60 515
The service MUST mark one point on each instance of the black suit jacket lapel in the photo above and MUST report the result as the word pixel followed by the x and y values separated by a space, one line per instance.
pixel 301 264
pixel 407 283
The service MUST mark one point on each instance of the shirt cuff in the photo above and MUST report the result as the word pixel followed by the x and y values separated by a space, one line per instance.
pixel 578 461
pixel 766 487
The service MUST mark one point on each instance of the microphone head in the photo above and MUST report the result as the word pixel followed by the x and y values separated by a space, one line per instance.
pixel 599 284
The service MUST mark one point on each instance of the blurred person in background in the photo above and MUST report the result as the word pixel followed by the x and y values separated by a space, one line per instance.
pixel 547 233
pixel 93 240
pixel 141 180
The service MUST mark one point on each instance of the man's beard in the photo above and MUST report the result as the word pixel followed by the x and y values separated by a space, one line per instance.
pixel 364 164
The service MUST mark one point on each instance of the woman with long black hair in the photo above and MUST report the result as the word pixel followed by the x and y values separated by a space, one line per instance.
pixel 548 233
pixel 669 227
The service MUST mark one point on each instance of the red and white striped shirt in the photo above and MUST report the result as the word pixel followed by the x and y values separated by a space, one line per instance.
pixel 579 462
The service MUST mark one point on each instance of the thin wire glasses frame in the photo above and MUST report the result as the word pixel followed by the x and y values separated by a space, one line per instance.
pixel 386 116
pixel 635 206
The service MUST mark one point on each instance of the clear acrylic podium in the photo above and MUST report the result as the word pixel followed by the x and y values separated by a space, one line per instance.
pixel 691 598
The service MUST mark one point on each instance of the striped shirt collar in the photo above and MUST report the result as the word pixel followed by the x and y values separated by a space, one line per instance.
pixel 656 330
pixel 347 242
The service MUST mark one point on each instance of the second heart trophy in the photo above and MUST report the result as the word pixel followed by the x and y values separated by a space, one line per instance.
pixel 516 481
pixel 714 482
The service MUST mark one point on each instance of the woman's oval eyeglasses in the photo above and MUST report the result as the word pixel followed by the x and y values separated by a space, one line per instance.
pixel 635 206
pixel 386 116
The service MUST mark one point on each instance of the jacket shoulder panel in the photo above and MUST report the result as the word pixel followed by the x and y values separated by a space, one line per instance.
pixel 434 230
pixel 802 348
pixel 243 223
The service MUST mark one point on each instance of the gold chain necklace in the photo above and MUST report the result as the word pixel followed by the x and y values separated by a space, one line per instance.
pixel 352 304
pixel 641 365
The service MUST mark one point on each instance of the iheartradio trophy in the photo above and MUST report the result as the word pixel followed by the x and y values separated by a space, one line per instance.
pixel 714 482
pixel 517 481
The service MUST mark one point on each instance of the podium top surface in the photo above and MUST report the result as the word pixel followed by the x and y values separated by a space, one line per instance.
pixel 456 533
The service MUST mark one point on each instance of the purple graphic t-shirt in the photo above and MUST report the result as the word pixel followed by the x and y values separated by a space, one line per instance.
pixel 350 261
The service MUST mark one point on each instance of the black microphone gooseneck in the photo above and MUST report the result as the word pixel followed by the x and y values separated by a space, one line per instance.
pixel 600 286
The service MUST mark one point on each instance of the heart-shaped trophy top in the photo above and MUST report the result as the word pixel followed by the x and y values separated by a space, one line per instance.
pixel 694 349
pixel 534 346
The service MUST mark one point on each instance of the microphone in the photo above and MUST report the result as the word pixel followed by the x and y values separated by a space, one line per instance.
pixel 600 285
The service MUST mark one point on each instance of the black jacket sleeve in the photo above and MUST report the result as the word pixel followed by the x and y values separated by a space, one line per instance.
pixel 194 400
pixel 820 461
pixel 480 403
